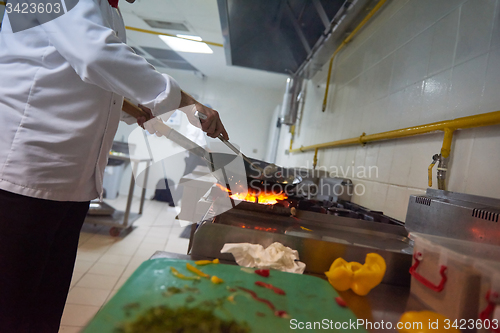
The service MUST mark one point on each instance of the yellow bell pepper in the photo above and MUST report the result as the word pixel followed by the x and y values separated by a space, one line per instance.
pixel 206 262
pixel 424 322
pixel 216 280
pixel 176 273
pixel 196 270
pixel 360 278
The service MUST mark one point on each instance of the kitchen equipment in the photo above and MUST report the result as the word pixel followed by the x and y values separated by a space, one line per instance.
pixel 216 161
pixel 455 215
pixel 99 208
pixel 334 189
pixel 104 214
pixel 270 173
pixel 227 143
pixel 489 295
pixel 444 277
pixel 287 37
pixel 306 299
pixel 273 174
pixel 237 151
pixel 134 110
pixel 114 169
pixel 319 238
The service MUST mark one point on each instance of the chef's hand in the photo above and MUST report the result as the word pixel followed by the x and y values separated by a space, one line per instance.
pixel 141 120
pixel 212 124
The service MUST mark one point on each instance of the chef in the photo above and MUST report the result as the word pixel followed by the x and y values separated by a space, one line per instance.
pixel 62 82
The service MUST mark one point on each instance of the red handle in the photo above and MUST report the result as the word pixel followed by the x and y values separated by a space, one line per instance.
pixel 423 280
pixel 486 313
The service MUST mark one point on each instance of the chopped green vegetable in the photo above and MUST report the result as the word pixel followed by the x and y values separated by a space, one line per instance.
pixel 191 289
pixel 129 307
pixel 165 320
pixel 172 291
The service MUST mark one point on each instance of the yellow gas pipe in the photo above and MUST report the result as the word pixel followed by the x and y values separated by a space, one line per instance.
pixel 443 158
pixel 448 137
pixel 447 126
pixel 292 132
pixel 429 173
pixel 315 158
pixel 344 43
pixel 435 158
pixel 484 119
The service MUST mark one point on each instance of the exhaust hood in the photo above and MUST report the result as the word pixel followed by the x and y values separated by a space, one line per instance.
pixel 294 37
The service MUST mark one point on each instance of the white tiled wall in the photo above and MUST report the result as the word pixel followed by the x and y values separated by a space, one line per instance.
pixel 416 62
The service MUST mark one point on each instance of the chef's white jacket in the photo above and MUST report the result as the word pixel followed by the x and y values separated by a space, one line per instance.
pixel 61 88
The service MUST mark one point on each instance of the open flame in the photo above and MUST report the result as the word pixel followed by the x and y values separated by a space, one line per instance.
pixel 257 196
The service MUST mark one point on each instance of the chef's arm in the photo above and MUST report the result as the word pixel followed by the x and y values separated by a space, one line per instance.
pixel 143 114
pixel 99 57
pixel 212 124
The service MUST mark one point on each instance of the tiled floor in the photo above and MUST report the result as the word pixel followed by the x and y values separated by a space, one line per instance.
pixel 104 263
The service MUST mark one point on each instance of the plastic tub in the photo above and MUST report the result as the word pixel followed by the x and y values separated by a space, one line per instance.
pixel 489 296
pixel 444 276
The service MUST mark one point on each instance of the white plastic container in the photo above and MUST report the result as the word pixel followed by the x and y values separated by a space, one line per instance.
pixel 444 276
pixel 112 179
pixel 489 296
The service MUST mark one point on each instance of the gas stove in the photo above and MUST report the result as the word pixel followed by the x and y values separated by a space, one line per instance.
pixel 320 230
pixel 343 209
pixel 291 205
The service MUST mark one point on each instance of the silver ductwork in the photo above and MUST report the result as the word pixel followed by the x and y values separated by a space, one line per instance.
pixel 293 37
pixel 291 100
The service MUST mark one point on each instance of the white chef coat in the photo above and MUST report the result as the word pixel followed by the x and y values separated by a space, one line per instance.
pixel 61 88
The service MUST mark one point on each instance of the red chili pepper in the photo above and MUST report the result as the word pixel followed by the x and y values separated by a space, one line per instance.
pixel 257 298
pixel 270 286
pixel 340 301
pixel 262 272
pixel 281 313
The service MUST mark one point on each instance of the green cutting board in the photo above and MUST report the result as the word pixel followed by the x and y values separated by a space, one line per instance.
pixel 307 299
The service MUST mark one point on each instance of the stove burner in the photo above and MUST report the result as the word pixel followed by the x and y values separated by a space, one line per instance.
pixel 341 208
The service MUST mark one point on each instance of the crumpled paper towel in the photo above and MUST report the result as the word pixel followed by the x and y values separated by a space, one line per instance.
pixel 276 256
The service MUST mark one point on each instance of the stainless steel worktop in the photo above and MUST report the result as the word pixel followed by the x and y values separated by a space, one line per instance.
pixel 319 239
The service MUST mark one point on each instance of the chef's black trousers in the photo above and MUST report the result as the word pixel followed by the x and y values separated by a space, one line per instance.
pixel 38 243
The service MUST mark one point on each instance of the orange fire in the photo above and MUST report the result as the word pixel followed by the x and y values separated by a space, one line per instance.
pixel 260 228
pixel 257 196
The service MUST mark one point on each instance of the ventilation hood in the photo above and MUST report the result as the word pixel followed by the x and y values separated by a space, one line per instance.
pixel 294 37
